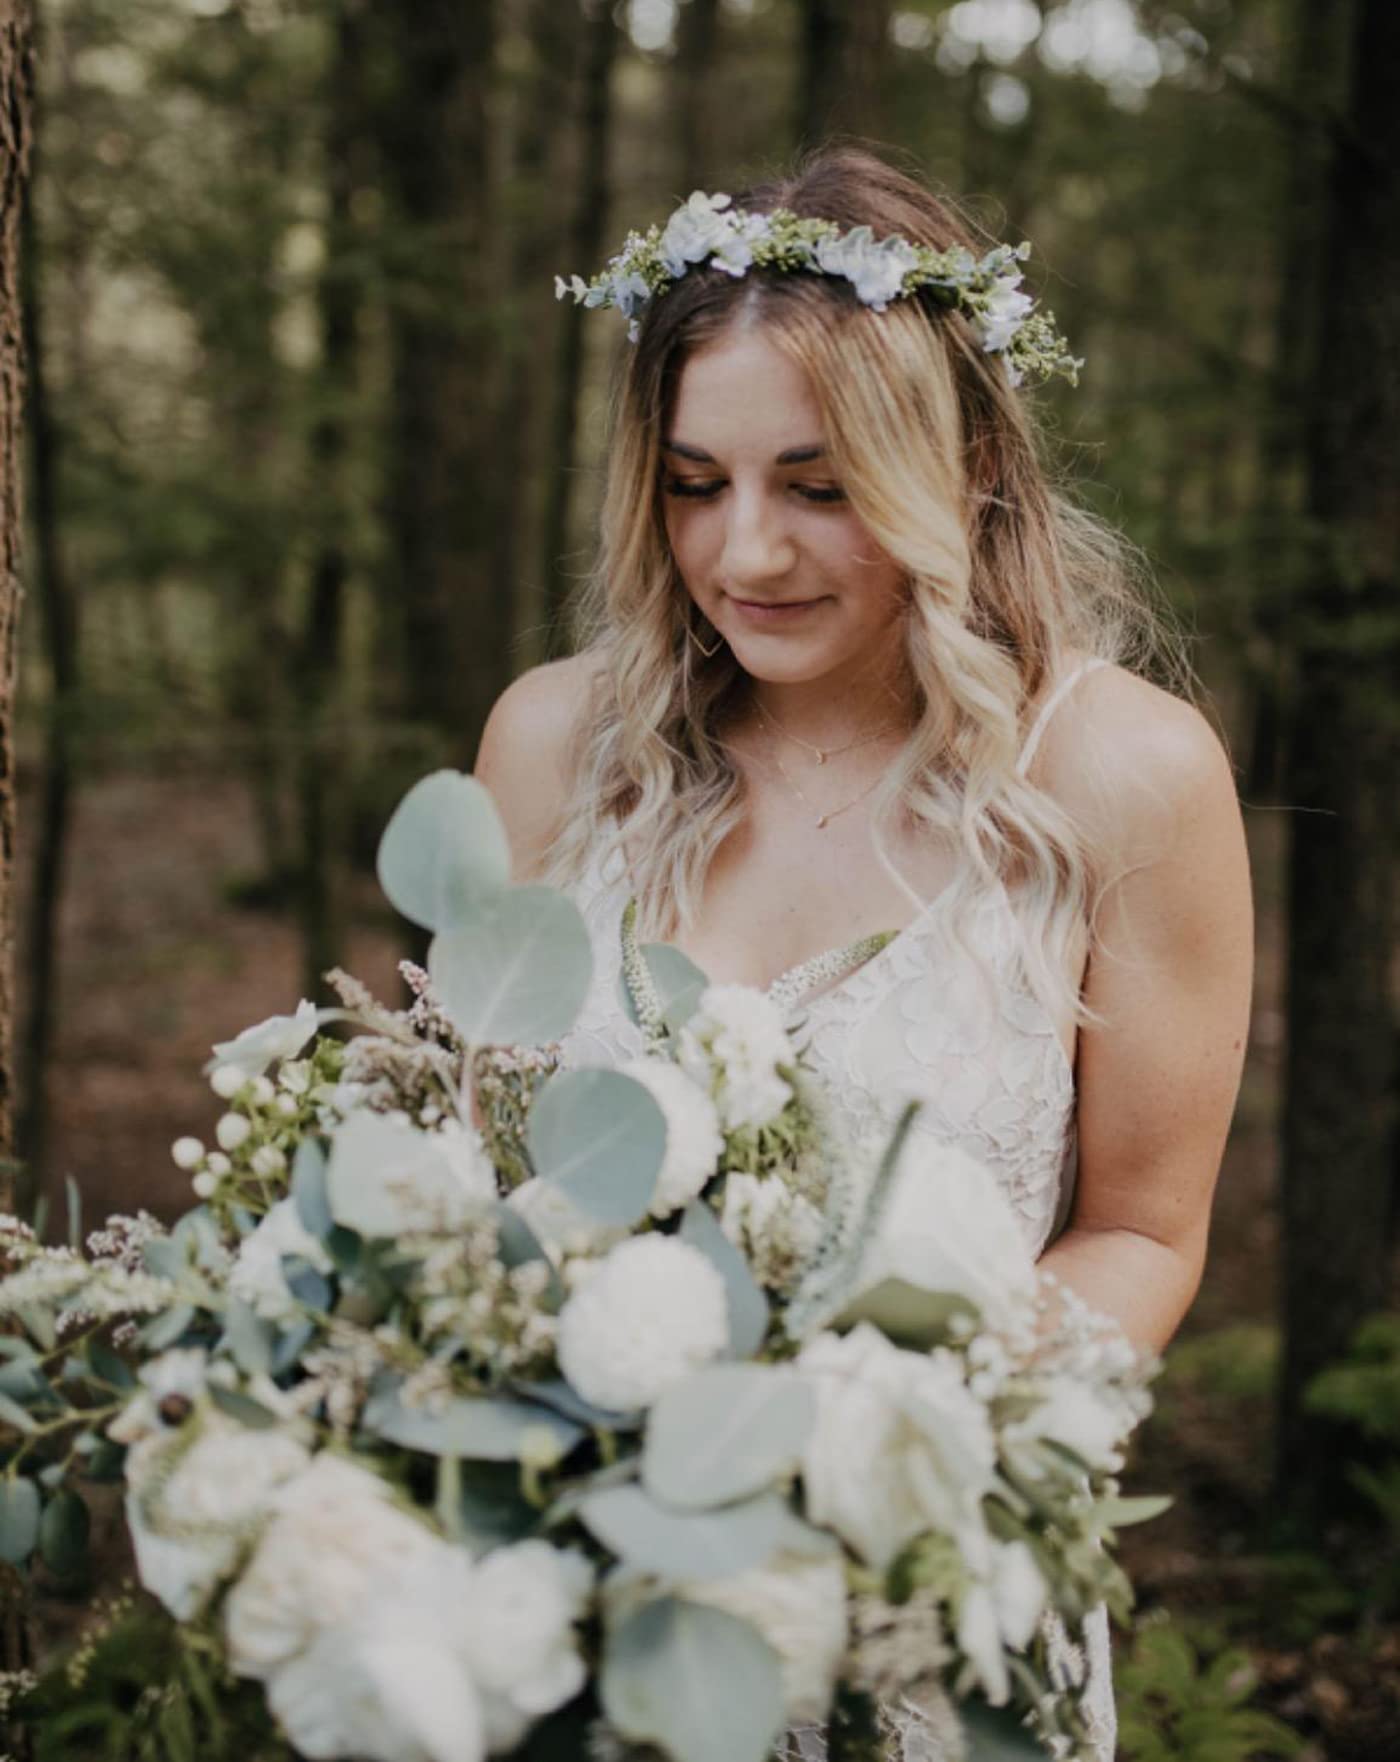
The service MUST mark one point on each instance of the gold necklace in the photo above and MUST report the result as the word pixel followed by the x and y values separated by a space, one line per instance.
pixel 823 752
pixel 822 819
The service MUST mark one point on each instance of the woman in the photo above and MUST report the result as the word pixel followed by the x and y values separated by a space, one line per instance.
pixel 853 665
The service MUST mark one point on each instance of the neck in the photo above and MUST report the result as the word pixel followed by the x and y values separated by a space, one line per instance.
pixel 827 715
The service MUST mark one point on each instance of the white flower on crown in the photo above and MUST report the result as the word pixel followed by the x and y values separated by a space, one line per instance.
pixel 651 1312
pixel 799 1607
pixel 257 1276
pixel 1005 311
pixel 732 1046
pixel 695 230
pixel 900 1445
pixel 694 1142
pixel 875 269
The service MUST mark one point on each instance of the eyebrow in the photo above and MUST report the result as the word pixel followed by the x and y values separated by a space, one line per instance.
pixel 793 455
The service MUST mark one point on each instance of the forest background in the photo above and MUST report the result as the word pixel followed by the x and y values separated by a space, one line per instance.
pixel 313 466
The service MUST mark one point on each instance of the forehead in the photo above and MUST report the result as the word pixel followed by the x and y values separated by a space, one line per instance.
pixel 741 390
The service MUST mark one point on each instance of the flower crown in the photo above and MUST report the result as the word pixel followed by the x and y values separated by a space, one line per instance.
pixel 986 290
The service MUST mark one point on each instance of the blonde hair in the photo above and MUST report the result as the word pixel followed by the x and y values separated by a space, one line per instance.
pixel 1009 578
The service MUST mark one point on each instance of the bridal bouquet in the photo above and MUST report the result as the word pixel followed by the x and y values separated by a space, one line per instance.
pixel 485 1407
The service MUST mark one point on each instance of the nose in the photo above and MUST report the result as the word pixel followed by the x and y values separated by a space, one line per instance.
pixel 757 545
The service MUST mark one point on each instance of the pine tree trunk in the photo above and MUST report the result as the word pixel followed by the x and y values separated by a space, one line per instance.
pixel 697 52
pixel 843 74
pixel 1340 775
pixel 16 110
pixel 58 615
pixel 585 249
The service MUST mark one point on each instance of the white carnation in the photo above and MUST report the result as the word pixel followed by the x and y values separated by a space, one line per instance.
pixel 948 1226
pixel 651 1312
pixel 518 1638
pixel 278 1037
pixel 900 1446
pixel 386 1178
pixel 1092 1422
pixel 694 1142
pixel 190 1524
pixel 733 1046
pixel 335 1539
pixel 799 1607
pixel 257 1277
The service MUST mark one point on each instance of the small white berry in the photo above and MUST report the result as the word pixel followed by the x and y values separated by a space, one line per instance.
pixel 268 1160
pixel 227 1080
pixel 263 1091
pixel 287 1105
pixel 206 1184
pixel 217 1163
pixel 232 1130
pixel 187 1153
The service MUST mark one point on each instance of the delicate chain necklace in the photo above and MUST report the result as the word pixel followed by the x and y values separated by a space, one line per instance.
pixel 823 752
pixel 822 817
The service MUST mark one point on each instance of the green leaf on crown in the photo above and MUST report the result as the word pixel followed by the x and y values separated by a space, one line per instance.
pixel 518 972
pixel 698 1682
pixel 726 1433
pixel 600 1136
pixel 444 852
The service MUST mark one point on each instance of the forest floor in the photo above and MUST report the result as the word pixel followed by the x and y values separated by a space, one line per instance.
pixel 157 962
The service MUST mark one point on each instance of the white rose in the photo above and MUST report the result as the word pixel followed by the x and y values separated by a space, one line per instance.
pixel 900 1446
pixel 387 1179
pixel 257 1277
pixel 651 1312
pixel 1082 1418
pixel 948 1226
pixel 335 1538
pixel 799 1607
pixel 732 1047
pixel 517 1633
pixel 190 1524
pixel 278 1037
pixel 390 1683
pixel 694 1142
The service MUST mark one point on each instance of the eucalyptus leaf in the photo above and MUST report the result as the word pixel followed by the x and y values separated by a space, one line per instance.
pixel 309 1189
pixel 1119 1514
pixel 243 1408
pixel 165 1257
pixel 909 1315
pixel 19 1518
pixel 725 1433
pixel 557 1394
pixel 517 1245
pixel 518 972
pixel 685 1544
pixel 748 1307
pixel 698 1682
pixel 248 1338
pixel 290 1345
pixel 306 1283
pixel 63 1533
pixel 38 1324
pixel 165 1329
pixel 678 982
pixel 75 1212
pixel 12 1414
pixel 489 1428
pixel 601 1137
pixel 444 852
pixel 23 1381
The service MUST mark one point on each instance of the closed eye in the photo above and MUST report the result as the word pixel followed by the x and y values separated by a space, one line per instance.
pixel 696 490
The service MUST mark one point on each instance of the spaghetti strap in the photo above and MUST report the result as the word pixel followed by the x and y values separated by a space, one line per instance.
pixel 1048 708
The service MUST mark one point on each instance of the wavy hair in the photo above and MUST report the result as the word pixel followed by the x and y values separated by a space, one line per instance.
pixel 1009 578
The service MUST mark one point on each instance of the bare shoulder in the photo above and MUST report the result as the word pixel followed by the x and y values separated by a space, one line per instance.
pixel 1136 765
pixel 526 748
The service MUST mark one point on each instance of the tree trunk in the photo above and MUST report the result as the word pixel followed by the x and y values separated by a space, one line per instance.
pixel 1340 776
pixel 697 52
pixel 16 100
pixel 323 762
pixel 58 613
pixel 444 482
pixel 585 249
pixel 843 74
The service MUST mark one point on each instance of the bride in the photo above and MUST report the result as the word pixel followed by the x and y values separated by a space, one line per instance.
pixel 852 665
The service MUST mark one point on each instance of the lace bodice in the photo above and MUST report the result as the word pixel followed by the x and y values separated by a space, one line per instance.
pixel 937 1014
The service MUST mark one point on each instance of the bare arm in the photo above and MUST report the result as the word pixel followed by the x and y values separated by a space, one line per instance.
pixel 1171 976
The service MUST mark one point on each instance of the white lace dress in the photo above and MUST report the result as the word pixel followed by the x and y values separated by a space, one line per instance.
pixel 922 1018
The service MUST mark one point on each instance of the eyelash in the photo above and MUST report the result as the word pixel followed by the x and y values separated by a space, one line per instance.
pixel 684 488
